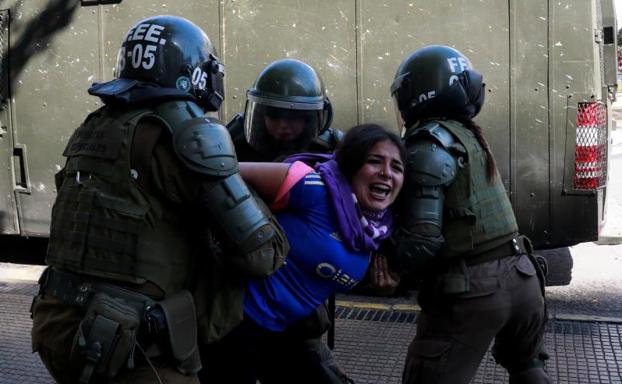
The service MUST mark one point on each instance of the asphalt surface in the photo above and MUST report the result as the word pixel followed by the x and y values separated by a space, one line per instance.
pixel 596 286
pixel 372 334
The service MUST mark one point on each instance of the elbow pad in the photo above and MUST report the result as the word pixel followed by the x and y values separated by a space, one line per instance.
pixel 231 206
pixel 204 146
pixel 268 257
pixel 434 157
pixel 430 169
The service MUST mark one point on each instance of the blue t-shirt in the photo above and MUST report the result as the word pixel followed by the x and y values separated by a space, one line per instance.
pixel 318 264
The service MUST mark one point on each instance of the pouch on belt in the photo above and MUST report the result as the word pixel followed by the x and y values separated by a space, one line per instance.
pixel 181 322
pixel 106 337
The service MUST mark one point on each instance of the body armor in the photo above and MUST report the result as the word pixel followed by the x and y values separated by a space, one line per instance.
pixel 476 211
pixel 103 224
pixel 451 209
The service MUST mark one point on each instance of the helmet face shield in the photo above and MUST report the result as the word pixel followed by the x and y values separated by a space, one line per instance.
pixel 279 131
pixel 286 108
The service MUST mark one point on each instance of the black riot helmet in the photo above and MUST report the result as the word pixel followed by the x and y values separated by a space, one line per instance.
pixel 286 108
pixel 173 53
pixel 437 81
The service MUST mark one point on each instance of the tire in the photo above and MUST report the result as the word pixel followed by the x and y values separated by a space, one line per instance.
pixel 559 263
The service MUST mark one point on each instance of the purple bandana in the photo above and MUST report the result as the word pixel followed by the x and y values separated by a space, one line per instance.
pixel 361 229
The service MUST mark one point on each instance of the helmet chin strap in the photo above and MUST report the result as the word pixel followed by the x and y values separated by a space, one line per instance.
pixel 328 107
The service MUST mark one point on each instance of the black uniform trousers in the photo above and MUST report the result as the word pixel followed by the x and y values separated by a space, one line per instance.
pixel 504 303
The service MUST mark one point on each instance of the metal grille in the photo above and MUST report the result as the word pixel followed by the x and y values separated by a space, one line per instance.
pixel 591 146
pixel 4 55
pixel 374 352
pixel 345 313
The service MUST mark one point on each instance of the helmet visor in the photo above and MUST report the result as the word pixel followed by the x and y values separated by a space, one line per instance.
pixel 279 131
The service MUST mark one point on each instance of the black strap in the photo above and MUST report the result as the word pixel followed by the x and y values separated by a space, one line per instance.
pixel 146 135
pixel 516 246
pixel 77 289
pixel 97 343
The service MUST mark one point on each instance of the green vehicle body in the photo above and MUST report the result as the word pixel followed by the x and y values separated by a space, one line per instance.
pixel 540 60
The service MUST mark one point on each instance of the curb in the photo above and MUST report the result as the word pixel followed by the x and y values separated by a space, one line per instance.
pixel 378 306
pixel 586 318
pixel 19 272
pixel 416 308
pixel 609 240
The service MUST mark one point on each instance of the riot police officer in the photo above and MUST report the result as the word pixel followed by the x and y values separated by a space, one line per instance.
pixel 149 180
pixel 287 111
pixel 458 231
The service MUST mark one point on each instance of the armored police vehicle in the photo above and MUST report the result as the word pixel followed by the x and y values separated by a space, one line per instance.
pixel 549 67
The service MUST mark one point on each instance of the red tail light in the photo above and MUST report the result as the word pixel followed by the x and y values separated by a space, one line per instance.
pixel 591 147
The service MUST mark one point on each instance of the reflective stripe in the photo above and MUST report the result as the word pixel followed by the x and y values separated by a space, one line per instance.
pixel 313 106
pixel 314 183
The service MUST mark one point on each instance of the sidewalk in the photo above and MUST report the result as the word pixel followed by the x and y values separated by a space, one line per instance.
pixel 611 233
pixel 371 345
pixel 21 272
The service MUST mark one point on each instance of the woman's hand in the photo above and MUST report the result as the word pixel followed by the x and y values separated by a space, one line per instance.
pixel 383 280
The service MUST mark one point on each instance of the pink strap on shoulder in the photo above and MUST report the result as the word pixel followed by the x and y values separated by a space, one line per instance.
pixel 295 173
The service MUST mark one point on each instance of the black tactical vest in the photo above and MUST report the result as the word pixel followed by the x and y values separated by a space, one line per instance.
pixel 103 224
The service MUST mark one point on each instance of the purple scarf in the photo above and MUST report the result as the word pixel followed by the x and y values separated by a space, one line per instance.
pixel 361 229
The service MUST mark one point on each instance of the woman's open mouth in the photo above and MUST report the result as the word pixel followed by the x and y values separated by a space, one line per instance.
pixel 379 191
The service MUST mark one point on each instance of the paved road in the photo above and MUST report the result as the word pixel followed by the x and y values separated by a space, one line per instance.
pixel 596 286
pixel 371 344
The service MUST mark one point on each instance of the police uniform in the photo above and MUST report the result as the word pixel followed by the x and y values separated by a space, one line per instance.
pixel 484 285
pixel 140 204
pixel 458 233
pixel 286 85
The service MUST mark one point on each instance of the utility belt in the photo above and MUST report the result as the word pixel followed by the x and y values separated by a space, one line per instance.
pixel 117 321
pixel 455 279
pixel 518 245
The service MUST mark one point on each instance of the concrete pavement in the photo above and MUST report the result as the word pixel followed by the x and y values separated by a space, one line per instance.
pixel 611 233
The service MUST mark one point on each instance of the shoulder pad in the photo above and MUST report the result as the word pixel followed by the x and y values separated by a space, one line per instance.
pixel 329 139
pixel 435 130
pixel 204 145
pixel 236 125
pixel 440 134
pixel 333 135
pixel 430 164
pixel 176 113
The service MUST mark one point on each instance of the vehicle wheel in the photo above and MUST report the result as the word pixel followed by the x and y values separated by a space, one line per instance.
pixel 559 262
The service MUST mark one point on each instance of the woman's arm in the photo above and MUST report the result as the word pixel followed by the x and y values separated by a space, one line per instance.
pixel 264 178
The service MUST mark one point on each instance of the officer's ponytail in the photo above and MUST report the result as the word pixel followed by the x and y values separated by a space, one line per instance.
pixel 491 164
